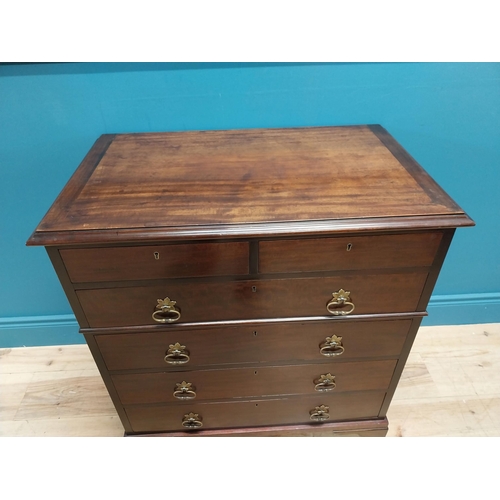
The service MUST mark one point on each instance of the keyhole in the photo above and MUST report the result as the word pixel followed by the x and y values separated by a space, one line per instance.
pixel 255 333
pixel 349 246
pixel 255 372
pixel 157 255
pixel 254 289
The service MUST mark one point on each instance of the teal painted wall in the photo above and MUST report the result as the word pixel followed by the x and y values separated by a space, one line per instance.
pixel 446 115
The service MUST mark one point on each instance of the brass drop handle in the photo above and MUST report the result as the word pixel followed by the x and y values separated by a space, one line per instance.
pixel 192 421
pixel 340 299
pixel 331 346
pixel 325 383
pixel 184 390
pixel 167 312
pixel 177 354
pixel 320 413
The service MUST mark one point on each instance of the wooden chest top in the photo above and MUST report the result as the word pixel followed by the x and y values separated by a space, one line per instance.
pixel 241 183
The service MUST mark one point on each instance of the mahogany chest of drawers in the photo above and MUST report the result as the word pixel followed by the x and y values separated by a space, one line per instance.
pixel 250 282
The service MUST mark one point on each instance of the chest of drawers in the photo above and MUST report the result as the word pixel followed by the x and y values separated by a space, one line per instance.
pixel 250 282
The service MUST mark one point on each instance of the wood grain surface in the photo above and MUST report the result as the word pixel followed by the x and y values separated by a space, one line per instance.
pixel 348 253
pixel 257 381
pixel 343 406
pixel 277 298
pixel 448 388
pixel 151 188
pixel 156 261
pixel 258 343
pixel 187 179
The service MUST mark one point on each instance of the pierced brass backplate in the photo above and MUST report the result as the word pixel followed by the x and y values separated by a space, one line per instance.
pixel 185 390
pixel 340 299
pixel 192 421
pixel 177 354
pixel 332 346
pixel 325 383
pixel 167 312
pixel 320 413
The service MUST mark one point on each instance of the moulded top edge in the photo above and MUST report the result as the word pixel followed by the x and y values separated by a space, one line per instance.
pixel 277 229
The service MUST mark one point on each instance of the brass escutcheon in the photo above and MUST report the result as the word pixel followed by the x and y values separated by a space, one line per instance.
pixel 340 299
pixel 332 346
pixel 167 312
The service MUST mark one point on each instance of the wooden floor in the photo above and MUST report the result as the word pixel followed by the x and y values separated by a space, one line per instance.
pixel 450 387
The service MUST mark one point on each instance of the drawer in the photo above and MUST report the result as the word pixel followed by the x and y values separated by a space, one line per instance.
pixel 156 262
pixel 349 253
pixel 271 343
pixel 200 385
pixel 233 300
pixel 342 406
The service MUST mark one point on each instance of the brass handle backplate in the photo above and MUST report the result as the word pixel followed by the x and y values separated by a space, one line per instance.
pixel 340 299
pixel 320 413
pixel 177 354
pixel 167 312
pixel 325 383
pixel 184 390
pixel 192 421
pixel 332 346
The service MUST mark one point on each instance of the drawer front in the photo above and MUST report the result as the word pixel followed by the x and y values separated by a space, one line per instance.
pixel 349 253
pixel 342 406
pixel 287 342
pixel 156 262
pixel 215 301
pixel 169 387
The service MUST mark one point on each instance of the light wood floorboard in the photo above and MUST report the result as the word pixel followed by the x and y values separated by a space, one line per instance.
pixel 450 387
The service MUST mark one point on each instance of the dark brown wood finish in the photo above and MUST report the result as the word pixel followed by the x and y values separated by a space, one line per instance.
pixel 62 274
pixel 257 230
pixel 74 186
pixel 355 428
pixel 255 382
pixel 215 301
pixel 342 406
pixel 427 183
pixel 250 232
pixel 156 261
pixel 405 352
pixel 254 257
pixel 96 354
pixel 184 327
pixel 436 268
pixel 257 343
pixel 256 176
pixel 348 253
pixel 426 295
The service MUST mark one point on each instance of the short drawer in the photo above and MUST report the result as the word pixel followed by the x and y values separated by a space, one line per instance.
pixel 258 343
pixel 349 253
pixel 233 300
pixel 238 383
pixel 156 262
pixel 337 407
